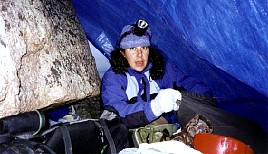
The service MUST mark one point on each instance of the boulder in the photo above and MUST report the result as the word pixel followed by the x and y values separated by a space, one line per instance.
pixel 45 58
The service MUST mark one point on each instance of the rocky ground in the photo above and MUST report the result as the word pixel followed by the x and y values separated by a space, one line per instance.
pixel 88 108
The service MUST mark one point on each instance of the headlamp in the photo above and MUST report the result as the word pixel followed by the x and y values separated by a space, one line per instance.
pixel 140 27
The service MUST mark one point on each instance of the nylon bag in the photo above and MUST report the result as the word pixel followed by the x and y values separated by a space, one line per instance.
pixel 84 136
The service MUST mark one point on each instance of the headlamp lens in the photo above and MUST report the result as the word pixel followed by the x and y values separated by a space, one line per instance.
pixel 140 27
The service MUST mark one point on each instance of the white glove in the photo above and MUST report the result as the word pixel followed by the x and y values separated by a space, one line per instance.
pixel 165 101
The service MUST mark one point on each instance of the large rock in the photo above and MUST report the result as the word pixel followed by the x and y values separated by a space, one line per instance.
pixel 45 57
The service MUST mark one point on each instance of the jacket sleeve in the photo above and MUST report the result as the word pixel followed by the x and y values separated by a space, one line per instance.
pixel 113 94
pixel 176 76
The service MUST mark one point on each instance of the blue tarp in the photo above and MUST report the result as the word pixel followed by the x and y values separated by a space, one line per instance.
pixel 223 42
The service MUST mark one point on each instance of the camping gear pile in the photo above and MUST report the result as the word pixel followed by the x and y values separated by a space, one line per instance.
pixel 33 132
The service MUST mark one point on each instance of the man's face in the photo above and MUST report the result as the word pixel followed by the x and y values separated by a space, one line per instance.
pixel 137 57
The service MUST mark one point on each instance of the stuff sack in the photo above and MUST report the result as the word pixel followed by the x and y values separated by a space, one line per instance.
pixel 24 123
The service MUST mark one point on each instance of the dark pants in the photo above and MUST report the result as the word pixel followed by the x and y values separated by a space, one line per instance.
pixel 224 123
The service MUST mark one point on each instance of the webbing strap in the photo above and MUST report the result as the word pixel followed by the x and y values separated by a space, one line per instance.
pixel 6 138
pixel 66 139
pixel 108 136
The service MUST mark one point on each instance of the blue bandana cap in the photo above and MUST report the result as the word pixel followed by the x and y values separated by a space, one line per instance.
pixel 130 40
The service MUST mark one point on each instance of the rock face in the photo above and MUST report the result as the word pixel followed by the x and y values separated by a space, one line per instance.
pixel 45 57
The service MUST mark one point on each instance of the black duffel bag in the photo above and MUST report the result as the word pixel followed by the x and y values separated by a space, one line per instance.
pixel 85 136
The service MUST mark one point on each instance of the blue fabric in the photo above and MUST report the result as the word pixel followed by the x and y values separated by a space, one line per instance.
pixel 58 113
pixel 224 43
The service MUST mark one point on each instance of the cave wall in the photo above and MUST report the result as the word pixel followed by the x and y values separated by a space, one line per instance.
pixel 45 58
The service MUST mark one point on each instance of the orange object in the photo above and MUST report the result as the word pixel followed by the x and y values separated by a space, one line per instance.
pixel 216 144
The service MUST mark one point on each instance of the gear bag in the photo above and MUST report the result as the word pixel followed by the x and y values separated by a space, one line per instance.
pixel 84 136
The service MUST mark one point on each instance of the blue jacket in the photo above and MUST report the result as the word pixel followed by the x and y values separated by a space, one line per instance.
pixel 127 95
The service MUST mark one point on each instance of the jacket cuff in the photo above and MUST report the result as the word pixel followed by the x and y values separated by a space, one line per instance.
pixel 149 113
